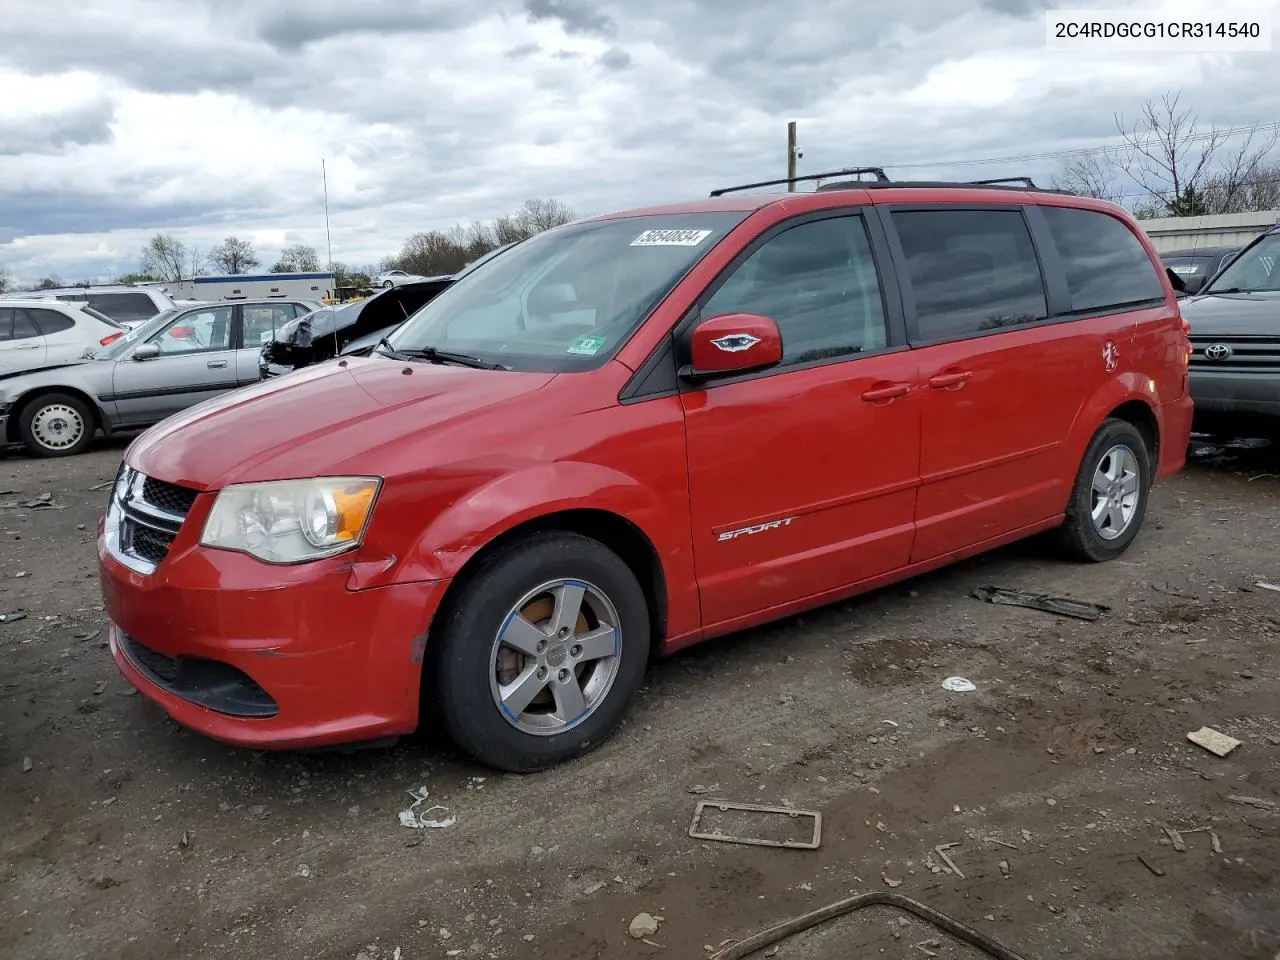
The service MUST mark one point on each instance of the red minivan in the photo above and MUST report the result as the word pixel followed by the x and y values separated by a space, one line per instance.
pixel 635 432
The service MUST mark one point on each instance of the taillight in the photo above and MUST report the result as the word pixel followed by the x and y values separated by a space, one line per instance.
pixel 110 339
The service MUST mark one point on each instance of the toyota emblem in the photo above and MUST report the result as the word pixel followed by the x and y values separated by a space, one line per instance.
pixel 1217 351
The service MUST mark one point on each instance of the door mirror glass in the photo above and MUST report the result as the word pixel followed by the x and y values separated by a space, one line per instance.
pixel 733 343
pixel 1179 285
pixel 146 351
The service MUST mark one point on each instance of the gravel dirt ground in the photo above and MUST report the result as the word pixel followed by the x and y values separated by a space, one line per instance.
pixel 126 836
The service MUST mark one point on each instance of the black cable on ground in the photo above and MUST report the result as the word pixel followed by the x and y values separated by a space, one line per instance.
pixel 775 934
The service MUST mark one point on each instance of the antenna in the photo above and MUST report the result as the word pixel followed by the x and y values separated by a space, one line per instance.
pixel 324 173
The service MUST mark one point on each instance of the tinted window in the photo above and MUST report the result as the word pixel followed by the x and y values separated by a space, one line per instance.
pixel 24 328
pixel 970 271
pixel 818 282
pixel 50 321
pixel 6 324
pixel 195 332
pixel 1106 264
pixel 124 306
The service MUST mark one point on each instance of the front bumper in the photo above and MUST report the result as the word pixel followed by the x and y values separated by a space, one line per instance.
pixel 1245 394
pixel 267 656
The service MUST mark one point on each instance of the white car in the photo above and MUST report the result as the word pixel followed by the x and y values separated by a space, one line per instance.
pixel 393 278
pixel 124 303
pixel 36 334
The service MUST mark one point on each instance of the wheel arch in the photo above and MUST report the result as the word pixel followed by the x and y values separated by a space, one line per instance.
pixel 620 535
pixel 1129 397
pixel 35 393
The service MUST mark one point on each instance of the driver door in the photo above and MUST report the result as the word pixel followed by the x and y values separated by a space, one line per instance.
pixel 195 362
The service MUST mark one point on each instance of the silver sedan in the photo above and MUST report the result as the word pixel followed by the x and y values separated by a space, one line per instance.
pixel 172 361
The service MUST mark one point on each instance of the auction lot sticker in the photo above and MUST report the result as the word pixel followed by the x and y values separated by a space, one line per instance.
pixel 670 238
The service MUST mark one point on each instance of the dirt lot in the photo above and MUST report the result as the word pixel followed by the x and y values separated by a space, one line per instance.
pixel 130 837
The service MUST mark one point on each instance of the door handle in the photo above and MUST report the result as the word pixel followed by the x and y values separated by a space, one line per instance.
pixel 214 364
pixel 949 381
pixel 888 391
pixel 27 346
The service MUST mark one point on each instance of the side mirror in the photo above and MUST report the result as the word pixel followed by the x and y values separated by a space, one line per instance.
pixel 1179 284
pixel 733 343
pixel 146 351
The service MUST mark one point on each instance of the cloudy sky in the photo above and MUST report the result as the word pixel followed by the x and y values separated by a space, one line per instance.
pixel 205 118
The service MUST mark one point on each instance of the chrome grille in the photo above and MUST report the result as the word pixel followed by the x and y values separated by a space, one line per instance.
pixel 1236 354
pixel 143 518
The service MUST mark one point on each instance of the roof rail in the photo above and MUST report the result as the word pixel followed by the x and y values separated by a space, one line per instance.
pixel 880 175
pixel 1025 181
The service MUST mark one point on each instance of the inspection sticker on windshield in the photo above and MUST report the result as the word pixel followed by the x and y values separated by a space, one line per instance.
pixel 670 238
pixel 586 346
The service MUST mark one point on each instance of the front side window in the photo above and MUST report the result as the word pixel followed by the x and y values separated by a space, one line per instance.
pixel 1253 271
pixel 970 271
pixel 1106 265
pixel 200 331
pixel 568 298
pixel 817 281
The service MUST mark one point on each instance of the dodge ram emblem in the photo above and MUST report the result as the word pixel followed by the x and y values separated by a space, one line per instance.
pixel 1217 351
pixel 1110 356
pixel 736 342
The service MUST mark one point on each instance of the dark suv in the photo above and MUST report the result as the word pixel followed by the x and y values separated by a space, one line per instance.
pixel 1235 337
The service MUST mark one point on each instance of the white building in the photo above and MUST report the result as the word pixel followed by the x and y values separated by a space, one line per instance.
pixel 312 286
pixel 1219 230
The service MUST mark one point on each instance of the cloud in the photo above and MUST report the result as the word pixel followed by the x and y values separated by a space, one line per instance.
pixel 46 133
pixel 574 16
pixel 210 117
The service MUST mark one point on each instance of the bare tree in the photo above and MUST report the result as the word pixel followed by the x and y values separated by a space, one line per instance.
pixel 1259 191
pixel 6 279
pixel 297 259
pixel 165 257
pixel 1172 159
pixel 49 283
pixel 1089 175
pixel 234 255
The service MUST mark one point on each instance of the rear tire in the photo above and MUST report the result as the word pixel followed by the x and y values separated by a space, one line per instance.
pixel 1109 499
pixel 56 425
pixel 538 659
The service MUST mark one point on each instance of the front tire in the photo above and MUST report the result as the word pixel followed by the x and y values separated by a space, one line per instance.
pixel 538 659
pixel 1109 500
pixel 387 284
pixel 56 425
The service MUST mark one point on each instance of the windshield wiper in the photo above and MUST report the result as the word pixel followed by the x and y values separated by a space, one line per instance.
pixel 446 356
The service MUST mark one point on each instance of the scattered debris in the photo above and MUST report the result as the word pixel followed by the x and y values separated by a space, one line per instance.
pixel 1063 606
pixel 941 850
pixel 1254 802
pixel 644 925
pixel 184 841
pixel 1175 838
pixel 890 883
pixel 418 821
pixel 1216 743
pixel 1215 842
pixel 26 765
pixel 1269 585
pixel 959 685
pixel 83 637
pixel 1004 868
pixel 45 501
pixel 101 486
pixel 1150 866
pixel 99 687
pixel 303 871
pixel 1001 843
pixel 724 805
pixel 12 617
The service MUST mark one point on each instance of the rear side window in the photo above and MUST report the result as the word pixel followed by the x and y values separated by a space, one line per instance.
pixel 125 307
pixel 6 324
pixel 50 321
pixel 970 271
pixel 1106 265
pixel 24 328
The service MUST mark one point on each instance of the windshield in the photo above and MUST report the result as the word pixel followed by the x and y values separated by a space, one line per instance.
pixel 566 299
pixel 1254 271
pixel 143 330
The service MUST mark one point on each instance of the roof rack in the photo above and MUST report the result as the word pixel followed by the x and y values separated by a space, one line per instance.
pixel 1025 181
pixel 880 176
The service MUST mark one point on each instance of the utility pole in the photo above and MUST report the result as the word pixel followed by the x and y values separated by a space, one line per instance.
pixel 324 173
pixel 791 157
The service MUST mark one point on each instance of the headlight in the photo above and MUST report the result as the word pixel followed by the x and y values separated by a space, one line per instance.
pixel 291 521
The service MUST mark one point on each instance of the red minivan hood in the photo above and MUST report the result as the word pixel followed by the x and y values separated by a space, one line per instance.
pixel 314 422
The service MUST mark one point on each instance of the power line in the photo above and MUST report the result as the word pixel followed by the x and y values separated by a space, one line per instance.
pixel 1082 151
